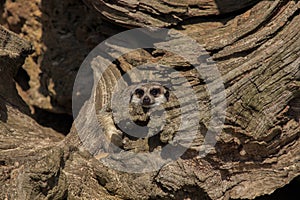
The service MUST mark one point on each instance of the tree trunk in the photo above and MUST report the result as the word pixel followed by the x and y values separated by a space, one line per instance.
pixel 255 149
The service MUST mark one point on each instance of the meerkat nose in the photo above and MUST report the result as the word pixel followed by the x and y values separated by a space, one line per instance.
pixel 146 100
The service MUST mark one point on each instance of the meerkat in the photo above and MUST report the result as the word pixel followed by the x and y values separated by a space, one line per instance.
pixel 149 95
pixel 138 113
pixel 148 100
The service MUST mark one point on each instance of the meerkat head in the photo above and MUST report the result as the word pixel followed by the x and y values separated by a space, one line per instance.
pixel 149 95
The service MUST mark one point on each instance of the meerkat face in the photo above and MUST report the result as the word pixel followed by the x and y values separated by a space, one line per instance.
pixel 149 95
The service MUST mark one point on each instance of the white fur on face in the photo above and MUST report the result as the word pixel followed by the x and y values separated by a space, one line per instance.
pixel 144 90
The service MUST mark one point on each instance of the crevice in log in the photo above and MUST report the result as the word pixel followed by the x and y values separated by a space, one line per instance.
pixel 233 55
pixel 191 192
pixel 289 191
pixel 224 18
pixel 118 65
pixel 22 78
pixel 294 108
pixel 267 19
pixel 3 110
pixel 60 122
pixel 167 18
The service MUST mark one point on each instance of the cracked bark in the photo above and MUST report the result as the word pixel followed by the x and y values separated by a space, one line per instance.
pixel 258 150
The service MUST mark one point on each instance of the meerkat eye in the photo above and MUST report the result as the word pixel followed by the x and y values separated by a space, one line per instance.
pixel 139 92
pixel 155 92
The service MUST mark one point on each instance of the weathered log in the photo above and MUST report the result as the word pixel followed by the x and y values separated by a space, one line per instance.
pixel 139 13
pixel 257 54
pixel 21 138
pixel 62 36
pixel 257 152
pixel 13 52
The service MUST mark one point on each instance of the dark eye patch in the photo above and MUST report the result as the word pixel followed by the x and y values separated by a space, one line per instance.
pixel 139 92
pixel 155 92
